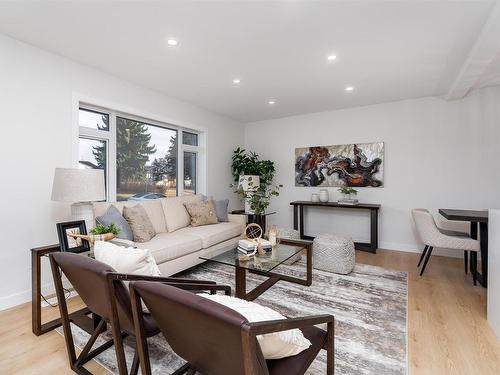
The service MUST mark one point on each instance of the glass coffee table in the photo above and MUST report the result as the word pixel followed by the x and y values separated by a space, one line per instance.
pixel 264 265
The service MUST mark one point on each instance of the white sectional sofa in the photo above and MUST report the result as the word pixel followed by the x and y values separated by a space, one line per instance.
pixel 181 247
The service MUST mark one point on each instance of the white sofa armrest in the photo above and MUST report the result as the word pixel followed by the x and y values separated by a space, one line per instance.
pixel 239 219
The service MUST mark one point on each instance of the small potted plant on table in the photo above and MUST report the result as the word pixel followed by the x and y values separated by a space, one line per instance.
pixel 347 195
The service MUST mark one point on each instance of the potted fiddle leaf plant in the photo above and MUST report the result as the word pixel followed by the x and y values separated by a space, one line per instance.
pixel 253 180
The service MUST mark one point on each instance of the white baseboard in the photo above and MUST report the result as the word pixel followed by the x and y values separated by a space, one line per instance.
pixel 414 248
pixel 25 296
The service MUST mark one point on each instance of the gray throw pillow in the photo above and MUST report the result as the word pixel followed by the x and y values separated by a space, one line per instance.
pixel 220 208
pixel 139 221
pixel 113 216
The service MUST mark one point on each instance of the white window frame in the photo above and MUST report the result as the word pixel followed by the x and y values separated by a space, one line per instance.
pixel 110 137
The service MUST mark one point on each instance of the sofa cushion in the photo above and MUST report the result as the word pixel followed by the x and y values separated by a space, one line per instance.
pixel 139 221
pixel 153 208
pixel 201 213
pixel 113 216
pixel 221 210
pixel 213 234
pixel 176 215
pixel 221 207
pixel 168 246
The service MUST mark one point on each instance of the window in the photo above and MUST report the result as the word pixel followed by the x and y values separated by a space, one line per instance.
pixel 189 173
pixel 92 154
pixel 146 159
pixel 190 139
pixel 93 119
pixel 142 159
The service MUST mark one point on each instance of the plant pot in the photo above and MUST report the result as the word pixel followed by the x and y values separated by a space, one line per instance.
pixel 249 182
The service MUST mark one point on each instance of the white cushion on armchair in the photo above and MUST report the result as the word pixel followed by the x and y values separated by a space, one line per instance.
pixel 126 259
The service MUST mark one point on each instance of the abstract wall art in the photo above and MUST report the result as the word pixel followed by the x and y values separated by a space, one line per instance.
pixel 357 165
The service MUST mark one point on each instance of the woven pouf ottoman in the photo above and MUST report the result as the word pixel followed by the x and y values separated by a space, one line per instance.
pixel 290 234
pixel 333 254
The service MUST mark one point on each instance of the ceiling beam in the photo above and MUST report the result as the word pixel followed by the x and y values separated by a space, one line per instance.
pixel 484 51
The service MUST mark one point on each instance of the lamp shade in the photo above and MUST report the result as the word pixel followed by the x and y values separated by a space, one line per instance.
pixel 78 185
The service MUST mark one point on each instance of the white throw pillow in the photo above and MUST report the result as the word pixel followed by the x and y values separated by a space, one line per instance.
pixel 273 345
pixel 176 214
pixel 126 259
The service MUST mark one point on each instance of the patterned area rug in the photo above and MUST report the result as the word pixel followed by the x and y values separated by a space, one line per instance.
pixel 369 305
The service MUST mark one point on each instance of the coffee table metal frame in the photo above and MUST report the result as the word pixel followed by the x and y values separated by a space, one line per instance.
pixel 272 277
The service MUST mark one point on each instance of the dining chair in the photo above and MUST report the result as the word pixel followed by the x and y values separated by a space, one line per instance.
pixel 103 290
pixel 432 236
pixel 215 339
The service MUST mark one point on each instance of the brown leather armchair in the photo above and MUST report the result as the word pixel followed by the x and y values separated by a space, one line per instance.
pixel 102 290
pixel 216 340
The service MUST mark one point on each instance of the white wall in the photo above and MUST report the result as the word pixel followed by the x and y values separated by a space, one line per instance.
pixel 437 154
pixel 36 90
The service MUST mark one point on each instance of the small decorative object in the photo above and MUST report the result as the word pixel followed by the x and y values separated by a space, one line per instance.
pixel 69 239
pixel 314 197
pixel 245 258
pixel 273 235
pixel 253 231
pixel 260 249
pixel 347 193
pixel 91 238
pixel 323 195
pixel 360 164
pixel 105 229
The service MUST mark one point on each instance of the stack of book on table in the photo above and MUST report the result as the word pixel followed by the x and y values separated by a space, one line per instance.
pixel 249 246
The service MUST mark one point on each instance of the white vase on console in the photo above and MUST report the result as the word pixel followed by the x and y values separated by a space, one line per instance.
pixel 323 195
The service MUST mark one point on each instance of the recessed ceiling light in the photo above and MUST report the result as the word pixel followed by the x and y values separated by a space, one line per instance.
pixel 271 102
pixel 236 81
pixel 172 42
pixel 349 88
pixel 331 57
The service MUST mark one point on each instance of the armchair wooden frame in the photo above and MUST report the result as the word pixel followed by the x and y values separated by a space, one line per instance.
pixel 77 362
pixel 251 351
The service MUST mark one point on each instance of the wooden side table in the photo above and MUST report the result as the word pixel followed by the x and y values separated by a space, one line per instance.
pixel 252 218
pixel 80 317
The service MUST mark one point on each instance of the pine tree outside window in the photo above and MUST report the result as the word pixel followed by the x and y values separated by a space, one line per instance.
pixel 142 159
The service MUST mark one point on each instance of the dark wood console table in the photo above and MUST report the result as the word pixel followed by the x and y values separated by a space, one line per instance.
pixel 298 220
pixel 79 317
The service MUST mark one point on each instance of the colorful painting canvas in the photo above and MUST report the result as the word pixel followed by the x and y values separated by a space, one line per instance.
pixel 356 165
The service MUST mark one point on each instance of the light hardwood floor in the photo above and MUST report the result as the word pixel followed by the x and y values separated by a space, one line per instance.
pixel 448 332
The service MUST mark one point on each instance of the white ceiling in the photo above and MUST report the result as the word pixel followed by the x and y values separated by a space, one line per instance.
pixel 387 50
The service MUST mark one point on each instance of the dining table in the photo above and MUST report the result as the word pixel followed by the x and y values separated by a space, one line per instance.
pixel 476 218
